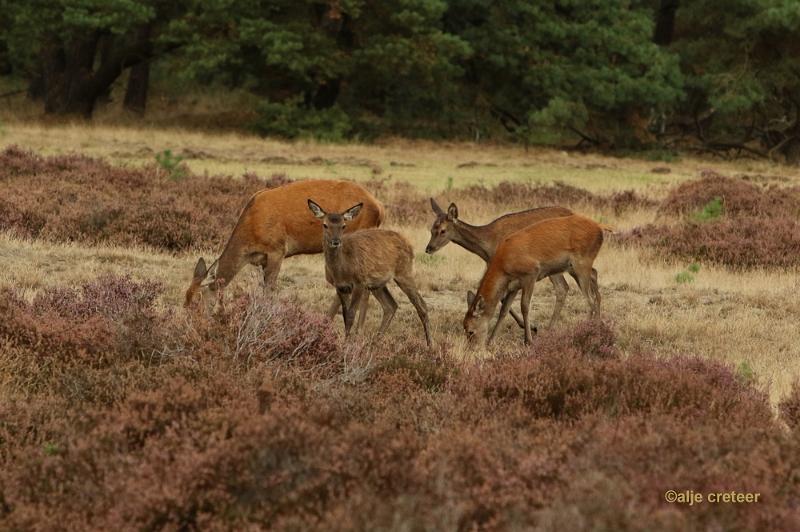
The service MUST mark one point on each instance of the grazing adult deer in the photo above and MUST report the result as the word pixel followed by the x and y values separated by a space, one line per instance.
pixel 483 240
pixel 365 261
pixel 556 245
pixel 276 224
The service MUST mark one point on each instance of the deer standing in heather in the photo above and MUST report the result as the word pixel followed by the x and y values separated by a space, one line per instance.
pixel 366 261
pixel 483 240
pixel 567 244
pixel 276 224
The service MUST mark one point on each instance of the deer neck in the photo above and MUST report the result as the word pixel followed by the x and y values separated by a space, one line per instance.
pixel 492 287
pixel 476 239
pixel 333 258
pixel 229 263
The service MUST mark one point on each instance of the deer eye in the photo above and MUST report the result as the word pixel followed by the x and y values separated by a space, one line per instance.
pixel 325 226
pixel 344 225
pixel 441 232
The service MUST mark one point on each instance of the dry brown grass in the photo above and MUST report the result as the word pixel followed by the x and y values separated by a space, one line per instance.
pixel 428 166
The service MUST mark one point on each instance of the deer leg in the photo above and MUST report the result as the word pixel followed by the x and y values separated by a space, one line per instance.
pixel 356 300
pixel 362 311
pixel 409 288
pixel 525 301
pixel 517 318
pixel 336 304
pixel 504 308
pixel 270 267
pixel 561 288
pixel 583 276
pixel 595 289
pixel 344 299
pixel 388 304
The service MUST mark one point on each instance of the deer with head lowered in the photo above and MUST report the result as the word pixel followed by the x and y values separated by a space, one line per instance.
pixel 567 244
pixel 483 240
pixel 275 224
pixel 366 261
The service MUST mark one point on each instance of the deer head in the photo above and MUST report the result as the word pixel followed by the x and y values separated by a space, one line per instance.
pixel 333 224
pixel 443 228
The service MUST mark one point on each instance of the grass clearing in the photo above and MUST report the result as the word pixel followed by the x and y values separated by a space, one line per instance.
pixel 431 167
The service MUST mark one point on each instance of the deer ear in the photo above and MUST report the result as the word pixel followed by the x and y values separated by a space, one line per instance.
pixel 210 276
pixel 436 209
pixel 200 270
pixel 316 210
pixel 470 297
pixel 452 211
pixel 352 212
pixel 480 305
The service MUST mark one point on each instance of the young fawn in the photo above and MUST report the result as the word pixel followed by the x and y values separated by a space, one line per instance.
pixel 568 244
pixel 365 261
pixel 274 225
pixel 483 240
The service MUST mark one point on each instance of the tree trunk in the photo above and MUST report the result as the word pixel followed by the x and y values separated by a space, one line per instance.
pixel 139 78
pixel 72 84
pixel 136 91
pixel 67 74
pixel 665 22
pixel 5 60
pixel 791 150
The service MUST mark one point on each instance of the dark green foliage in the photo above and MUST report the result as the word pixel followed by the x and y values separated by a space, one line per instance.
pixel 710 211
pixel 628 75
pixel 290 120
pixel 172 165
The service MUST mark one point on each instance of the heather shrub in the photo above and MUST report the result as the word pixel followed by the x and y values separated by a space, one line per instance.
pixel 77 198
pixel 71 339
pixel 258 328
pixel 790 407
pixel 727 221
pixel 572 375
pixel 421 369
pixel 739 243
pixel 525 195
pixel 736 198
pixel 254 417
pixel 404 204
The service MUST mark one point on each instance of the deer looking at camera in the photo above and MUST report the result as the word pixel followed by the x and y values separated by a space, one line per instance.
pixel 366 261
pixel 275 224
pixel 482 240
pixel 567 244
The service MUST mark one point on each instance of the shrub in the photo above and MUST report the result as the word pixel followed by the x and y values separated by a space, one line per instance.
pixel 76 198
pixel 292 120
pixel 738 243
pixel 710 211
pixel 712 191
pixel 790 407
pixel 568 434
pixel 172 165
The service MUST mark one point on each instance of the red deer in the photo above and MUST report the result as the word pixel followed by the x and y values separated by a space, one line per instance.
pixel 483 240
pixel 568 244
pixel 276 224
pixel 365 261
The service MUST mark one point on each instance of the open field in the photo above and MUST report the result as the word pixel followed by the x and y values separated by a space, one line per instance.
pixel 428 166
pixel 743 316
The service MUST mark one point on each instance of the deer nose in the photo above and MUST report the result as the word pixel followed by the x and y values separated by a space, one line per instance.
pixel 336 243
pixel 429 250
